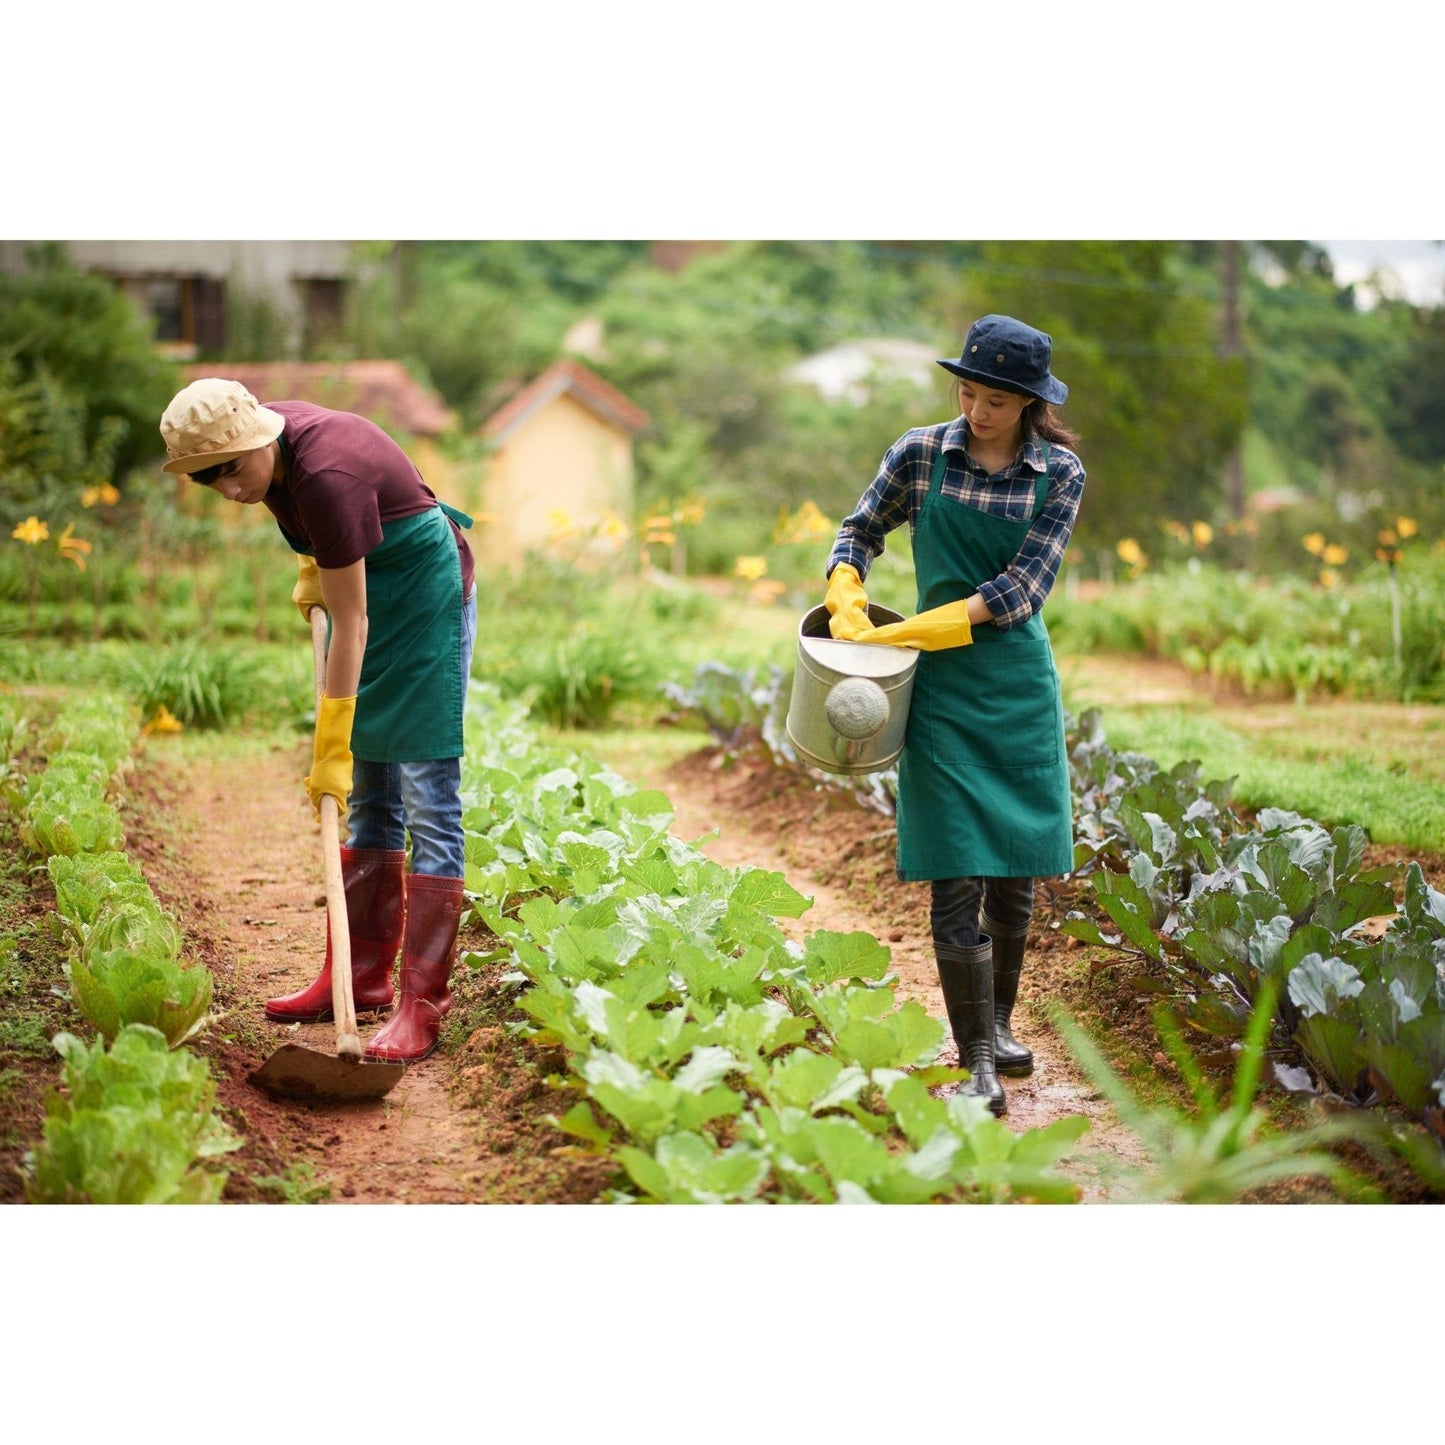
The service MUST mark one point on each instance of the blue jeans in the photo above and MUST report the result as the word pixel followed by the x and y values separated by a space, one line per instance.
pixel 390 800
pixel 954 908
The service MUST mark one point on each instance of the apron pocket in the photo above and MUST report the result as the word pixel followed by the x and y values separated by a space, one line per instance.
pixel 999 708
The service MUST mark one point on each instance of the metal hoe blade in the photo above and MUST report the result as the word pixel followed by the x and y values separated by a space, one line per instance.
pixel 296 1072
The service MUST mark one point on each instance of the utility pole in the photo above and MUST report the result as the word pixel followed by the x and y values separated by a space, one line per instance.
pixel 1230 347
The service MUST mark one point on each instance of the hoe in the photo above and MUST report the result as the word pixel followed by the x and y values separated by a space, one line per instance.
pixel 294 1071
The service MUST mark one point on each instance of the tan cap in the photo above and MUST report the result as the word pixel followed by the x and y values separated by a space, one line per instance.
pixel 212 421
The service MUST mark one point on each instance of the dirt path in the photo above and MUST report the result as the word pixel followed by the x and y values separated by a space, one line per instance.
pixel 230 847
pixel 244 877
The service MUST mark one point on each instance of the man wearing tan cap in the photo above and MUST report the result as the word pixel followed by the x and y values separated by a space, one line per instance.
pixel 389 563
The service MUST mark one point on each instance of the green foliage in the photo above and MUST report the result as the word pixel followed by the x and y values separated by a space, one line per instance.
pixel 1282 635
pixel 202 684
pixel 1231 914
pixel 713 1059
pixel 1224 1149
pixel 88 352
pixel 135 1126
pixel 1158 430
pixel 57 820
pixel 300 1184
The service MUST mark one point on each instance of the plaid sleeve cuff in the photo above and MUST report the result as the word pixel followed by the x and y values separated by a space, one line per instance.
pixel 855 556
pixel 1007 601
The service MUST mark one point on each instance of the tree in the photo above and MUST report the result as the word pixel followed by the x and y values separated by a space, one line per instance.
pixel 90 342
pixel 1158 408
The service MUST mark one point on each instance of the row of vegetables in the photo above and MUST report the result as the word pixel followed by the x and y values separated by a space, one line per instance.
pixel 1224 908
pixel 713 1059
pixel 135 1121
pixel 1219 906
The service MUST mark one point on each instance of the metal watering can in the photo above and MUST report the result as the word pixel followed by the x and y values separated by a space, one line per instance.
pixel 848 710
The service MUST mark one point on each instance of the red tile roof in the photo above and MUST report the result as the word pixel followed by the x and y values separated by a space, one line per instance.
pixel 570 378
pixel 381 390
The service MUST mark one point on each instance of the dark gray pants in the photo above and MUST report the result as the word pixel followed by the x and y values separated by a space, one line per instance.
pixel 954 908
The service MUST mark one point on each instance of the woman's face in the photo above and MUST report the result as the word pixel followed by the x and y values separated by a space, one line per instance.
pixel 993 415
pixel 247 478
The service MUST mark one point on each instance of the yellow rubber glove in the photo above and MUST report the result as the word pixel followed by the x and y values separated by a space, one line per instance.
pixel 847 604
pixel 306 594
pixel 331 752
pixel 931 631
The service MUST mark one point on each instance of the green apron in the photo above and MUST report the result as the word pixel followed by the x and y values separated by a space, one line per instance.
pixel 412 693
pixel 983 780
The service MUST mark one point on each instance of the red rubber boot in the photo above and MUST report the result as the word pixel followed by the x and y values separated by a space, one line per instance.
pixel 433 916
pixel 372 878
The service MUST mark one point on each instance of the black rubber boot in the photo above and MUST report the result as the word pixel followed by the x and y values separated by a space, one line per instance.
pixel 966 975
pixel 1010 1057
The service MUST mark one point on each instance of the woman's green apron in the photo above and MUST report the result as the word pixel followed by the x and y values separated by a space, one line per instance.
pixel 410 700
pixel 983 780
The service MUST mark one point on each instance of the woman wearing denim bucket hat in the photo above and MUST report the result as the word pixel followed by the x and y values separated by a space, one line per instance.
pixel 983 781
pixel 390 566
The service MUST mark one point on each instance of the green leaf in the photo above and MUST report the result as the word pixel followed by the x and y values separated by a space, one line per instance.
pixel 769 894
pixel 581 1123
pixel 906 1037
pixel 831 957
pixel 1318 985
pixel 687 1168
pixel 1131 908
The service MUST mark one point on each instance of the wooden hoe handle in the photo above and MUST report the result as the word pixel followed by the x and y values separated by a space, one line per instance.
pixel 343 1004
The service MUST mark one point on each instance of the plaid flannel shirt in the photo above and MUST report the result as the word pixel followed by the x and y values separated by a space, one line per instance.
pixel 901 485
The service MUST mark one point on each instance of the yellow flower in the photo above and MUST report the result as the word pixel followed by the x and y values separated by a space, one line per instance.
pixel 105 495
pixel 766 591
pixel 1328 577
pixel 1334 555
pixel 31 530
pixel 751 568
pixel 1406 526
pixel 612 525
pixel 1387 553
pixel 1130 551
pixel 559 520
pixel 1315 543
pixel 1202 533
pixel 163 722
pixel 1387 537
pixel 71 547
pixel 1177 530
pixel 690 514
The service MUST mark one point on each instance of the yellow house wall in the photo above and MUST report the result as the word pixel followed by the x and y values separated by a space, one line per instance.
pixel 561 458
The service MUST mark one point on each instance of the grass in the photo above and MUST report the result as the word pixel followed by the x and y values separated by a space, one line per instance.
pixel 632 753
pixel 1380 765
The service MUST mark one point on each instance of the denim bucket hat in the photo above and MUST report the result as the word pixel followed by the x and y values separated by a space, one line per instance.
pixel 1007 354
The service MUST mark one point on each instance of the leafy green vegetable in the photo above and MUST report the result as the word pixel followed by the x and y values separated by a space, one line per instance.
pixel 137 1127
pixel 120 988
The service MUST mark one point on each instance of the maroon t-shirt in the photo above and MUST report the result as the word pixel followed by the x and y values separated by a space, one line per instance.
pixel 344 479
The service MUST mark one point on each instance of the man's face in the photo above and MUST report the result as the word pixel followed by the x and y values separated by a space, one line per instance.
pixel 247 478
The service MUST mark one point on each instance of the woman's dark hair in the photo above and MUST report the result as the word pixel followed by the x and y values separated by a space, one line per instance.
pixel 1040 418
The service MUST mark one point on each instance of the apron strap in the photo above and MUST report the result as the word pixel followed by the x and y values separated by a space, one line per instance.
pixel 940 465
pixel 1041 484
